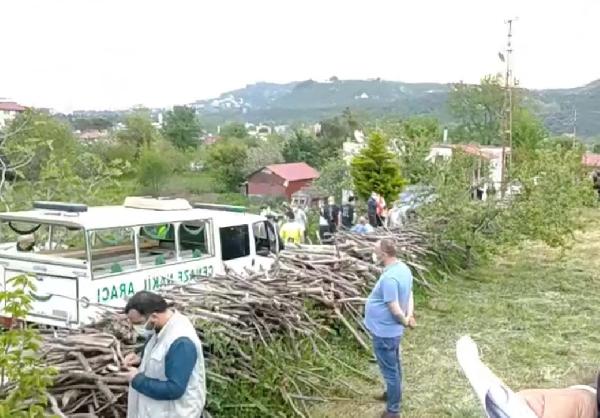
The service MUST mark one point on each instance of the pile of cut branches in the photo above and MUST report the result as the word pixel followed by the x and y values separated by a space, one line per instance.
pixel 310 292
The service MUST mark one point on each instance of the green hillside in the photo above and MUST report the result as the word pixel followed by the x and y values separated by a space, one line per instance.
pixel 312 100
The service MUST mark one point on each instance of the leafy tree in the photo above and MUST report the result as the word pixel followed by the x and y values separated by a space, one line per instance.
pixel 234 130
pixel 139 130
pixel 414 139
pixel 181 127
pixel 32 137
pixel 334 178
pixel 553 185
pixel 301 147
pixel 596 148
pixel 528 132
pixel 334 132
pixel 265 153
pixel 225 162
pixel 375 168
pixel 564 143
pixel 78 176
pixel 123 151
pixel 549 188
pixel 24 378
pixel 153 169
pixel 83 124
pixel 479 110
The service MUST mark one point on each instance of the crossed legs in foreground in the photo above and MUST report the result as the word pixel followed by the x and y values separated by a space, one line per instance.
pixel 498 401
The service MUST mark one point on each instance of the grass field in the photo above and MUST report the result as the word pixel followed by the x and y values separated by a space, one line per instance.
pixel 534 313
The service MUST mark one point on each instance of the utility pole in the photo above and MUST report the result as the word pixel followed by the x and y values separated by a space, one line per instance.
pixel 574 125
pixel 508 109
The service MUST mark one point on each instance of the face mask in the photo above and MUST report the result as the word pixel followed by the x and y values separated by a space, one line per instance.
pixel 142 331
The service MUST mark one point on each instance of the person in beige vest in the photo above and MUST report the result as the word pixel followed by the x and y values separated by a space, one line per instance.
pixel 170 380
pixel 499 401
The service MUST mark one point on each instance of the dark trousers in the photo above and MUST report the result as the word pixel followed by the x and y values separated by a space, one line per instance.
pixel 373 220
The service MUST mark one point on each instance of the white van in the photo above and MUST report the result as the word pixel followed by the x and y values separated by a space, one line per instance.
pixel 84 256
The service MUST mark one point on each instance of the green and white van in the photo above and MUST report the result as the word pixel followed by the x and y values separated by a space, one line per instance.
pixel 82 257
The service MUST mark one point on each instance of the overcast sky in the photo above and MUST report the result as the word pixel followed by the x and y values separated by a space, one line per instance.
pixel 95 54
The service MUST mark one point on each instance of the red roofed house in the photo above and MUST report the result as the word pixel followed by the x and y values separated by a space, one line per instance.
pixel 590 160
pixel 280 180
pixel 9 111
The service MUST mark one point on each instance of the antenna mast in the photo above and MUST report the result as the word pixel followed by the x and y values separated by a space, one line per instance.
pixel 508 108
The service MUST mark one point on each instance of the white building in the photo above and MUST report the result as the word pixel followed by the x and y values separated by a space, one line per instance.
pixel 489 156
pixel 9 111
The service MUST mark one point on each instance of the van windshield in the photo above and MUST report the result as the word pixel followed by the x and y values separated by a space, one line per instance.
pixel 42 238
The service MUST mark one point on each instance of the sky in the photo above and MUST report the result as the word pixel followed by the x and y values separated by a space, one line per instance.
pixel 113 54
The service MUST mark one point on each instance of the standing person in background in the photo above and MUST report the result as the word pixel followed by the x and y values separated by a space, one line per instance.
pixel 372 209
pixel 291 231
pixel 331 212
pixel 389 309
pixel 170 380
pixel 301 219
pixel 348 213
pixel 381 210
pixel 324 235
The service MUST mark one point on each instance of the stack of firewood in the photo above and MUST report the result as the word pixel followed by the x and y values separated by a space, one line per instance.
pixel 309 291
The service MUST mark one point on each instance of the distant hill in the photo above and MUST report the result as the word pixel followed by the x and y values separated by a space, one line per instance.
pixel 311 101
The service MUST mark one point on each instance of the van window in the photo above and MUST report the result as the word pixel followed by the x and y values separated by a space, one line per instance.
pixel 47 239
pixel 264 238
pixel 113 251
pixel 157 245
pixel 193 240
pixel 235 242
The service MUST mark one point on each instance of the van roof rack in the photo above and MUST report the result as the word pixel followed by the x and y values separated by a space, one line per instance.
pixel 156 203
pixel 227 208
pixel 60 206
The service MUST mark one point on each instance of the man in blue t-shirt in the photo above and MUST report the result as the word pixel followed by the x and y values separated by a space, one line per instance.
pixel 388 311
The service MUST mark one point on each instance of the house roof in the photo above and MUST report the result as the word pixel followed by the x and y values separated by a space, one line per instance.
pixel 11 106
pixel 475 150
pixel 293 171
pixel 590 160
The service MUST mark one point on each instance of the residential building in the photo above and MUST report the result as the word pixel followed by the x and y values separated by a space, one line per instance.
pixel 591 161
pixel 92 135
pixel 280 180
pixel 489 159
pixel 9 111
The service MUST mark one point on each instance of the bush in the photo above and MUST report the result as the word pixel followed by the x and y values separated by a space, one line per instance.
pixel 153 170
pixel 24 377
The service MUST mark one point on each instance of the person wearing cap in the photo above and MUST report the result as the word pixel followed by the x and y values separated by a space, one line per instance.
pixel 170 380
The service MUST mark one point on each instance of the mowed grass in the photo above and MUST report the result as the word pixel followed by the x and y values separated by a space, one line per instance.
pixel 535 314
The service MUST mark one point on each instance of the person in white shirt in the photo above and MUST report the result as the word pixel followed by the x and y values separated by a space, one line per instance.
pixel 301 219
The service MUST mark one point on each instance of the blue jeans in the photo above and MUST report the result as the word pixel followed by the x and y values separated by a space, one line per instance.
pixel 387 351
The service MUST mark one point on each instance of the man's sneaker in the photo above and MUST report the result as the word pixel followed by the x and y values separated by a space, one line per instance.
pixel 387 414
